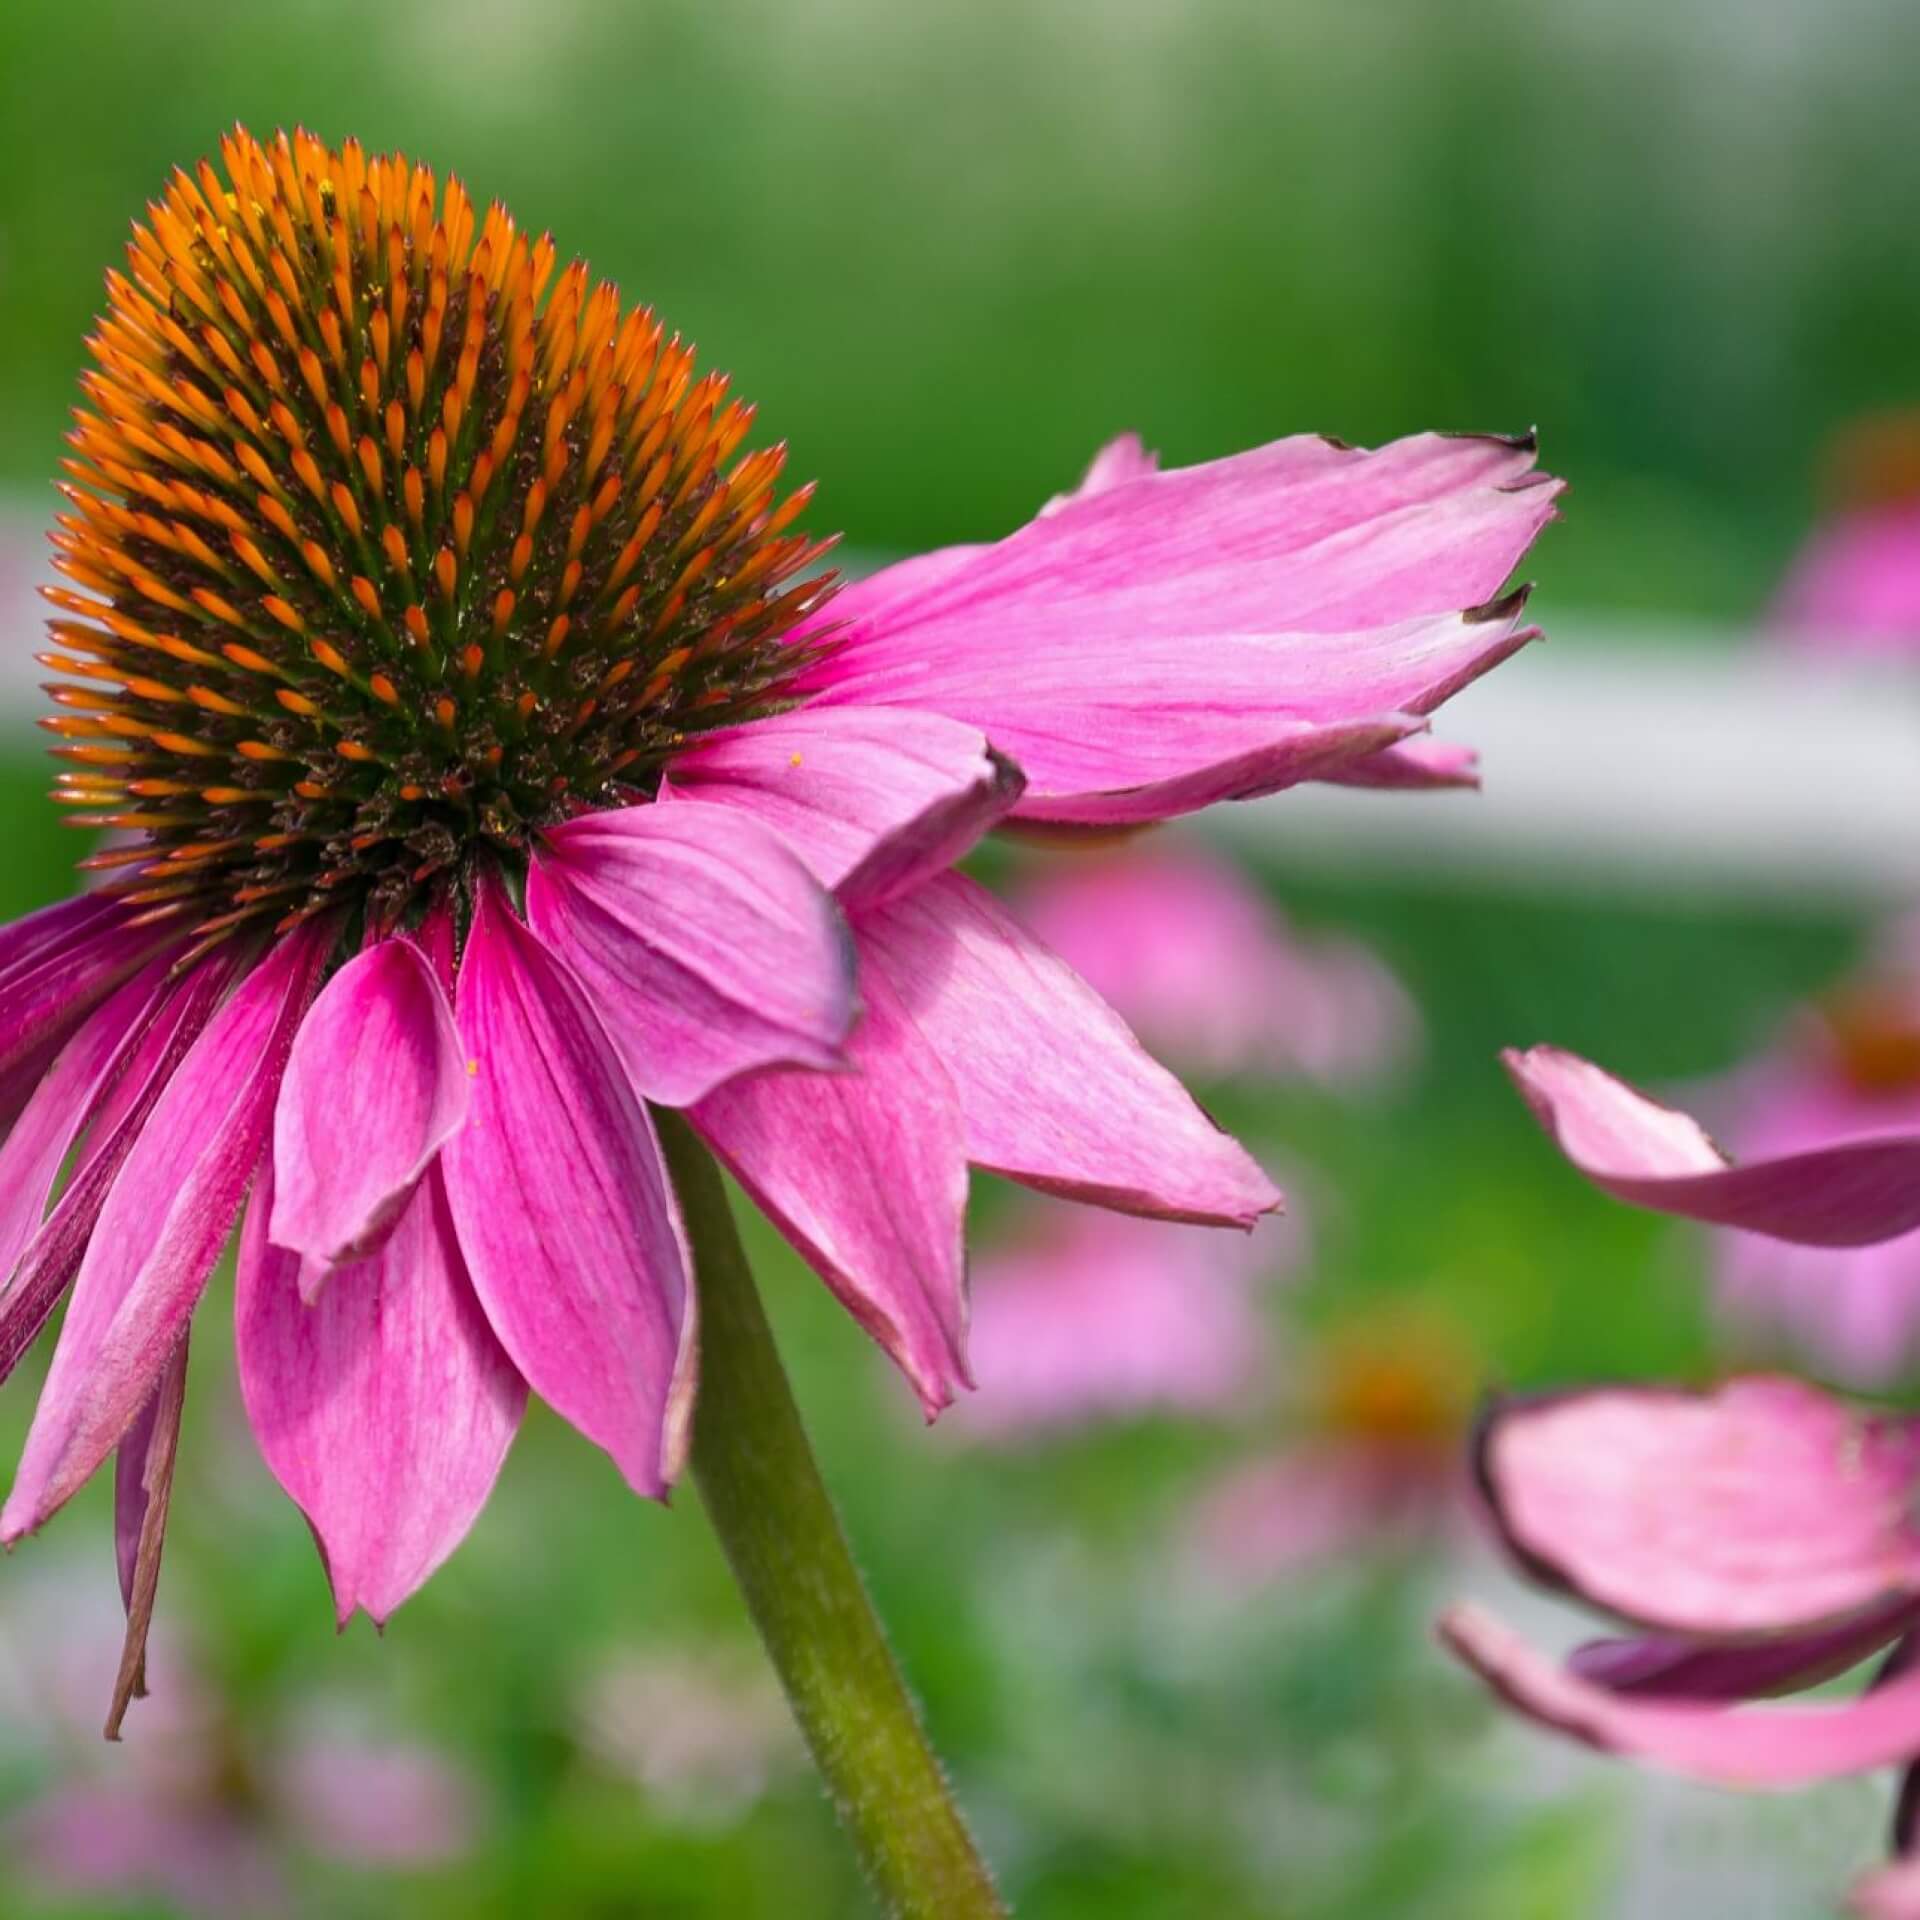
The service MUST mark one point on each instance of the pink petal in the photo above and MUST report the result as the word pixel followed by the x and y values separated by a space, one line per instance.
pixel 1889 1893
pixel 1762 1746
pixel 140 1075
pixel 866 1173
pixel 29 939
pixel 52 986
pixel 873 799
pixel 1173 631
pixel 571 1233
pixel 1653 1156
pixel 1055 1090
pixel 1413 766
pixel 1764 1507
pixel 162 1229
pixel 1684 1669
pixel 386 1407
pixel 37 1148
pixel 375 1086
pixel 143 1492
pixel 1102 1317
pixel 706 943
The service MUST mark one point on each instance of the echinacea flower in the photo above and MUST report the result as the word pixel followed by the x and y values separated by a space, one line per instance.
pixel 1854 587
pixel 494 773
pixel 1205 969
pixel 1082 1318
pixel 1756 1540
pixel 1372 1464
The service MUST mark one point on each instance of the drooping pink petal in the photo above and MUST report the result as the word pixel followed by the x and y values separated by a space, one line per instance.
pixel 570 1231
pixel 34 935
pixel 1763 1507
pixel 162 1229
pixel 866 1173
pixel 385 1407
pixel 873 799
pixel 146 1064
pixel 1055 1091
pixel 1653 1156
pixel 37 1148
pixel 375 1086
pixel 1687 1669
pixel 1748 1746
pixel 1214 631
pixel 702 937
pixel 143 1491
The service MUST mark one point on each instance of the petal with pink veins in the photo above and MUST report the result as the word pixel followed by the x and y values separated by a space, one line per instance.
pixel 375 1086
pixel 162 1228
pixel 140 1074
pixel 866 1173
pixel 569 1229
pixel 37 1148
pixel 1763 1507
pixel 873 799
pixel 1747 1746
pixel 1214 631
pixel 1848 1195
pixel 1055 1090
pixel 702 938
pixel 1413 766
pixel 384 1408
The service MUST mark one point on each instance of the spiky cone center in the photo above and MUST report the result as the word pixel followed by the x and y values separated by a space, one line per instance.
pixel 388 547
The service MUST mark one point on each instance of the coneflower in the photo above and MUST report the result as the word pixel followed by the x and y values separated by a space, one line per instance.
pixel 487 773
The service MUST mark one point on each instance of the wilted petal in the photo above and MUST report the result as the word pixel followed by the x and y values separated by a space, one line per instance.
pixel 162 1228
pixel 707 944
pixel 1653 1156
pixel 143 1490
pixel 139 1076
pixel 570 1231
pixel 385 1407
pixel 873 799
pixel 1145 635
pixel 1686 1669
pixel 41 1139
pixel 1055 1090
pixel 1758 1746
pixel 866 1173
pixel 1764 1507
pixel 375 1086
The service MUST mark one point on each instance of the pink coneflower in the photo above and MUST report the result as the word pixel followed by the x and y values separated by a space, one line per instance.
pixel 1207 972
pixel 1847 1069
pixel 1855 585
pixel 1756 1540
pixel 496 775
pixel 1372 1464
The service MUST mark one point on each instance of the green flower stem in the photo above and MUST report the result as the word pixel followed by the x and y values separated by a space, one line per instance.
pixel 764 1494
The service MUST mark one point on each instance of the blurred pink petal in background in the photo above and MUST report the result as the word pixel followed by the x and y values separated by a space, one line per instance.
pixel 1207 971
pixel 1098 1316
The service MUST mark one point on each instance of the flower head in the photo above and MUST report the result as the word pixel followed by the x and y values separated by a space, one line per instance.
pixel 494 775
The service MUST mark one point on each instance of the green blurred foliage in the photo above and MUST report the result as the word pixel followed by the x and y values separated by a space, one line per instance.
pixel 949 248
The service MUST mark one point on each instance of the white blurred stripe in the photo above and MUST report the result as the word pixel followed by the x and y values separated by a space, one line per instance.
pixel 1617 755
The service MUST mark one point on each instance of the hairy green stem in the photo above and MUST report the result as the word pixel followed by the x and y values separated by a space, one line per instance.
pixel 765 1497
